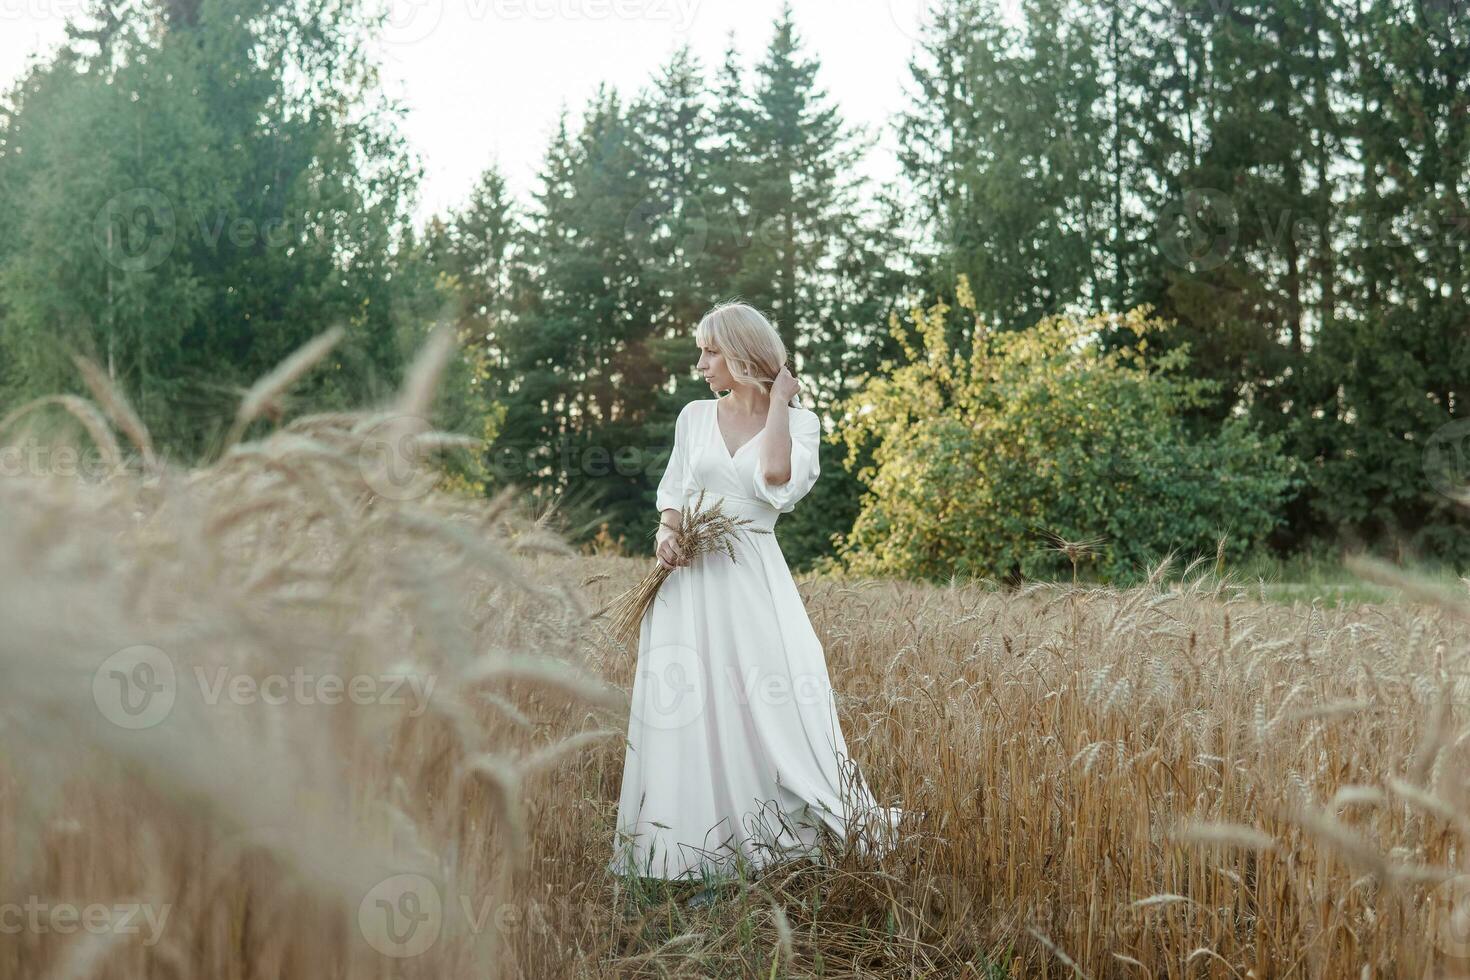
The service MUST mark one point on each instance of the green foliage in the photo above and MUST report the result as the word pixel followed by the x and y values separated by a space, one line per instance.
pixel 191 189
pixel 217 187
pixel 434 273
pixel 979 455
pixel 651 210
pixel 999 109
pixel 1282 181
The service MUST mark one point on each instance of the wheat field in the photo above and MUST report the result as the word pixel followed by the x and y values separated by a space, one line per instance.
pixel 269 717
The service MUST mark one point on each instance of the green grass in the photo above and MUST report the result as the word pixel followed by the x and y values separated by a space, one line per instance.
pixel 1305 578
pixel 1310 579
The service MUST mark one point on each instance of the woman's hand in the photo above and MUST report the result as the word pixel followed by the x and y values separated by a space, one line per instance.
pixel 666 548
pixel 784 387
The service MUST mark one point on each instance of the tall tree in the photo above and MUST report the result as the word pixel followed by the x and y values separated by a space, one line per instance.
pixel 789 173
pixel 1247 224
pixel 198 196
pixel 478 250
pixel 1393 359
pixel 577 349
pixel 956 148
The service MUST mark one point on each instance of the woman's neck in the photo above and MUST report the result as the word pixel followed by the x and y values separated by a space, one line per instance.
pixel 750 400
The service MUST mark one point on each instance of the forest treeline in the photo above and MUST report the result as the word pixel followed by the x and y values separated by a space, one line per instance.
pixel 190 189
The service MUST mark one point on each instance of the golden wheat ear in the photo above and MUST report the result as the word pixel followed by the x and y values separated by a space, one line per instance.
pixel 270 387
pixel 118 409
pixel 702 531
pixel 85 412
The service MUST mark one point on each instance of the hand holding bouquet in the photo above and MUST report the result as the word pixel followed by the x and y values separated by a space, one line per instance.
pixel 701 531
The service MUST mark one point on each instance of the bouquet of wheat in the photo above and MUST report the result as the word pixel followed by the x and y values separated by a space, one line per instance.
pixel 701 532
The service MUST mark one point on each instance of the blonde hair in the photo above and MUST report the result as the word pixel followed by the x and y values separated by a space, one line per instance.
pixel 753 350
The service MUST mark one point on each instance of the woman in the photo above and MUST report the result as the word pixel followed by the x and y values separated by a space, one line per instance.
pixel 735 757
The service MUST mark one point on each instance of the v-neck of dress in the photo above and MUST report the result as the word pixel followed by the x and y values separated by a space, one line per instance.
pixel 715 417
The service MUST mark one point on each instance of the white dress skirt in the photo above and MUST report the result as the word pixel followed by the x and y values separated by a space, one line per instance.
pixel 735 758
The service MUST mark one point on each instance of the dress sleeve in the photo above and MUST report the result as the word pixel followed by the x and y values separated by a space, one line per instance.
pixel 806 432
pixel 671 488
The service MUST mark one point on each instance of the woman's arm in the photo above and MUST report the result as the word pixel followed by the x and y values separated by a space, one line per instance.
pixel 789 479
pixel 670 493
pixel 775 458
pixel 775 447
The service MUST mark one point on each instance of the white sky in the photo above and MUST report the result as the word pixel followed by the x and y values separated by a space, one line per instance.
pixel 485 79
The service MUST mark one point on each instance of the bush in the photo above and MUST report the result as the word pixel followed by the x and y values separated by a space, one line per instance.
pixel 980 458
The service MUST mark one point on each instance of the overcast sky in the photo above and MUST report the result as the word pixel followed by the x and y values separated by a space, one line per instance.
pixel 485 79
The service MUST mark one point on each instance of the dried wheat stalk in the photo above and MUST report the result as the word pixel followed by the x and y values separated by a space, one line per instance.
pixel 702 531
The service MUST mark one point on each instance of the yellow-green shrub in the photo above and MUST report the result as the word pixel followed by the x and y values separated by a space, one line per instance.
pixel 977 454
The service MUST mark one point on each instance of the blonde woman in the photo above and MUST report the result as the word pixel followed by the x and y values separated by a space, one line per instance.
pixel 735 757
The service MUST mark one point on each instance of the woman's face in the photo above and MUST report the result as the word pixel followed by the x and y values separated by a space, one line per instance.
pixel 712 367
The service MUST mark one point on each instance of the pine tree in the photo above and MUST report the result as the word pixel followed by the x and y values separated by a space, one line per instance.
pixel 670 226
pixel 990 144
pixel 1393 358
pixel 192 193
pixel 581 377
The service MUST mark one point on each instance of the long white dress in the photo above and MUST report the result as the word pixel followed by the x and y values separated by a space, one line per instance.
pixel 735 755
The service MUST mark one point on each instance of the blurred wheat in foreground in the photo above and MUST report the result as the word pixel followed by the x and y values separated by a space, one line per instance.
pixel 251 711
pixel 278 717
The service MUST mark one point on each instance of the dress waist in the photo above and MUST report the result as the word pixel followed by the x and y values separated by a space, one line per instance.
pixel 760 512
